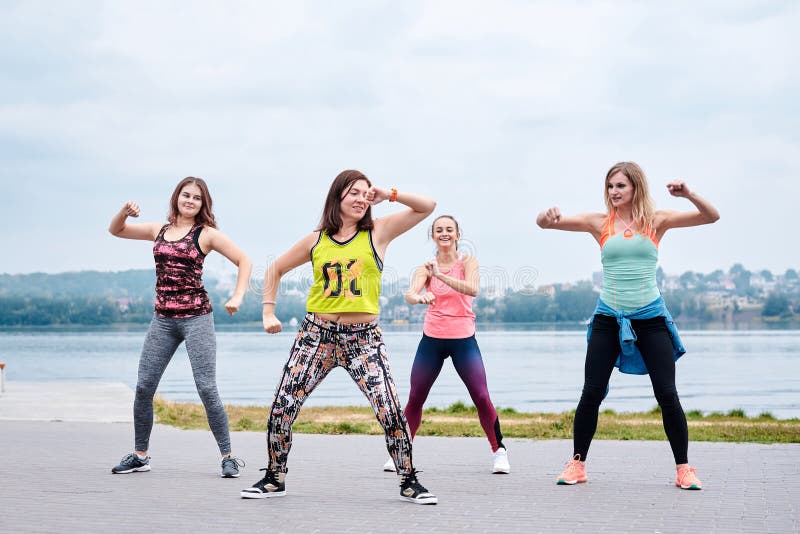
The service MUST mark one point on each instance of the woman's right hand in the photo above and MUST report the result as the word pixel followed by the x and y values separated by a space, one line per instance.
pixel 426 298
pixel 549 217
pixel 130 209
pixel 271 323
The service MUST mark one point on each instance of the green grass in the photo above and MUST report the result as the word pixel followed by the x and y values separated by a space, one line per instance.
pixel 460 419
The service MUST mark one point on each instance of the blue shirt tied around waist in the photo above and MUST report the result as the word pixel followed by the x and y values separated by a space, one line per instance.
pixel 630 360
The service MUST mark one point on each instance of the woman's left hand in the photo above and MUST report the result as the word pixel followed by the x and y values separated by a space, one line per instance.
pixel 376 195
pixel 678 188
pixel 232 306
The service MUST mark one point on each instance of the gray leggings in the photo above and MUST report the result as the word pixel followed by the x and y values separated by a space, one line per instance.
pixel 163 338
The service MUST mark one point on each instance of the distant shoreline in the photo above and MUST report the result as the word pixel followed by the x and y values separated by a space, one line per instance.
pixel 561 326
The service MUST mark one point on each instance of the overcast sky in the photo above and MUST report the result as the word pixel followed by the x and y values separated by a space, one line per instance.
pixel 495 109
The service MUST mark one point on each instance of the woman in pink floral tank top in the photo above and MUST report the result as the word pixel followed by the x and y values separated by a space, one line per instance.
pixel 182 311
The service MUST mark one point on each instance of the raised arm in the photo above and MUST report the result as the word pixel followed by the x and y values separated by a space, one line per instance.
pixel 213 239
pixel 391 226
pixel 706 213
pixel 418 282
pixel 299 254
pixel 119 226
pixel 592 223
pixel 468 286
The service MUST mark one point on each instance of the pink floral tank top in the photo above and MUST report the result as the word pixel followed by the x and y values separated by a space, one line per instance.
pixel 179 270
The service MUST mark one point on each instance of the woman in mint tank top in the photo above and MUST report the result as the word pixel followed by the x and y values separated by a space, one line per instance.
pixel 631 327
pixel 340 328
pixel 447 285
pixel 182 311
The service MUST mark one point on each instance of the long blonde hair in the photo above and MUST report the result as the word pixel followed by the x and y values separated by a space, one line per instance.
pixel 643 206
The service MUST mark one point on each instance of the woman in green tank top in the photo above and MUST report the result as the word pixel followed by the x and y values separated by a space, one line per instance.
pixel 340 328
pixel 631 327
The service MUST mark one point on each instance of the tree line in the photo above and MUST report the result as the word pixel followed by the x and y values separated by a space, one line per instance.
pixel 102 298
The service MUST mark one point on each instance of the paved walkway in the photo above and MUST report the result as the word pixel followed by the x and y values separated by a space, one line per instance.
pixel 55 477
pixel 67 401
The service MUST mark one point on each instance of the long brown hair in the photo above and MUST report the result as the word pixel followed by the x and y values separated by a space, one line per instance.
pixel 206 215
pixel 642 204
pixel 331 220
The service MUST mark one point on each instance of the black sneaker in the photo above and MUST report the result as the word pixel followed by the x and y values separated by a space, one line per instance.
pixel 131 463
pixel 272 485
pixel 411 490
pixel 230 467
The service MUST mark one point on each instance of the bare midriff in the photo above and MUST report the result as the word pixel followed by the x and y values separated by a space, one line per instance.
pixel 348 317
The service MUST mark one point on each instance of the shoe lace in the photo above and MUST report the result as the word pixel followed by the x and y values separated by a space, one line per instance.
pixel 687 473
pixel 269 477
pixel 410 481
pixel 574 466
pixel 232 460
pixel 129 459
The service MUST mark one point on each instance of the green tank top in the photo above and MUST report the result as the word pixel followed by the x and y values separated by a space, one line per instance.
pixel 347 276
pixel 629 268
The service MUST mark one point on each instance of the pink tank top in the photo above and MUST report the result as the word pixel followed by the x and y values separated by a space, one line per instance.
pixel 451 315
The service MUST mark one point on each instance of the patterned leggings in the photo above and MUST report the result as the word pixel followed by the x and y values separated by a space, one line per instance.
pixel 319 347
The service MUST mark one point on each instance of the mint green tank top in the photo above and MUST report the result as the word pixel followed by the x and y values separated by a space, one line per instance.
pixel 629 268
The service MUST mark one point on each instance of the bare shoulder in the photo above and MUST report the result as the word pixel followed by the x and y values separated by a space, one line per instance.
pixel 209 231
pixel 468 259
pixel 596 220
pixel 311 239
pixel 583 222
pixel 150 229
pixel 210 235
pixel 307 242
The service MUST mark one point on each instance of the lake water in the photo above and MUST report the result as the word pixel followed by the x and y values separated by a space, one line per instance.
pixel 532 371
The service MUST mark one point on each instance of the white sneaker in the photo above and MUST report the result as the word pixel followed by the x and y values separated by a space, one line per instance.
pixel 501 464
pixel 389 466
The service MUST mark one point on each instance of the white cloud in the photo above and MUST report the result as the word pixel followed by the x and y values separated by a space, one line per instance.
pixel 497 110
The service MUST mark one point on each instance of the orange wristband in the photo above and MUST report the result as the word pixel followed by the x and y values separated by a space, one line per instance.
pixel 393 196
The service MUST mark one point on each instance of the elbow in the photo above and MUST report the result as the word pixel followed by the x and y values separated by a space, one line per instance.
pixel 427 207
pixel 713 217
pixel 244 263
pixel 431 207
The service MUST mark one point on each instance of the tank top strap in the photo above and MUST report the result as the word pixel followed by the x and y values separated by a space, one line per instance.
pixel 160 235
pixel 651 233
pixel 195 233
pixel 608 229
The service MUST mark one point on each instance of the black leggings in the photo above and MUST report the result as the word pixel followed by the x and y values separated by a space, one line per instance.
pixel 655 345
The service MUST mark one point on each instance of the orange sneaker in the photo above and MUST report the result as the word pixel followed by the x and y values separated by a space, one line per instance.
pixel 686 478
pixel 574 472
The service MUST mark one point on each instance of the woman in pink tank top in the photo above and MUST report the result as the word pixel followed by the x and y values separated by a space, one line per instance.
pixel 450 282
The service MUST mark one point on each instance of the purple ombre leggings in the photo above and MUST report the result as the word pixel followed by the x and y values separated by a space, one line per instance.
pixel 431 354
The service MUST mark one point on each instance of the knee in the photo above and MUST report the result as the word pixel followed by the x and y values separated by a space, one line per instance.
pixel 208 393
pixel 667 398
pixel 592 395
pixel 283 407
pixel 415 400
pixel 482 399
pixel 145 391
